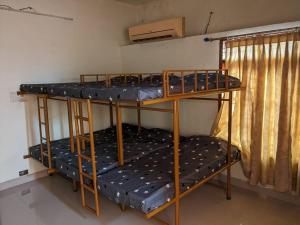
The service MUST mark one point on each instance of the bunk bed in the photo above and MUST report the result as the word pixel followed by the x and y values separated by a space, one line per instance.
pixel 176 173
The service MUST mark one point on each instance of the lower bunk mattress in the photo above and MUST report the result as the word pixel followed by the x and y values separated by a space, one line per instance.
pixel 136 145
pixel 61 148
pixel 147 183
pixel 106 157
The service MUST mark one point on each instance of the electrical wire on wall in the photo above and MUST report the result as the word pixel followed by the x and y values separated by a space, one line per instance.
pixel 30 10
pixel 208 22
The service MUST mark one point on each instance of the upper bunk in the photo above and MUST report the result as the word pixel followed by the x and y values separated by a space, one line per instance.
pixel 147 88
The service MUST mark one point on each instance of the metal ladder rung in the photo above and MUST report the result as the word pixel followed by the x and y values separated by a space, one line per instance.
pixel 84 138
pixel 85 157
pixel 42 107
pixel 82 118
pixel 43 123
pixel 89 188
pixel 87 175
pixel 45 153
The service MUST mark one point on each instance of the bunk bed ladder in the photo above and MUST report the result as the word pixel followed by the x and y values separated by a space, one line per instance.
pixel 81 140
pixel 45 144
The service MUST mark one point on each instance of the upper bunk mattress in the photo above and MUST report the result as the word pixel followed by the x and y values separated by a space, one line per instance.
pixel 145 90
pixel 147 183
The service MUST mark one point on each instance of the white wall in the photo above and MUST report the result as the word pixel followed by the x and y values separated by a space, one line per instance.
pixel 197 117
pixel 42 49
pixel 228 14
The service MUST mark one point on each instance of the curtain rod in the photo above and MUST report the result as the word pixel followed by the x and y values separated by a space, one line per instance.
pixel 7 8
pixel 262 33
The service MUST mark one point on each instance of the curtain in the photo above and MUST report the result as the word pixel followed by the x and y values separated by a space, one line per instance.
pixel 266 115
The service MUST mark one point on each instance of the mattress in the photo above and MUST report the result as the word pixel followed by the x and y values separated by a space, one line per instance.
pixel 106 157
pixel 149 88
pixel 58 148
pixel 72 89
pixel 62 146
pixel 109 135
pixel 147 183
pixel 135 144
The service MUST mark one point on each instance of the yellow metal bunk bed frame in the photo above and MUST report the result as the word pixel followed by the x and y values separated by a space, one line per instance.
pixel 75 108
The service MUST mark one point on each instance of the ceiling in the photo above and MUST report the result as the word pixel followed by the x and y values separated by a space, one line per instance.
pixel 136 2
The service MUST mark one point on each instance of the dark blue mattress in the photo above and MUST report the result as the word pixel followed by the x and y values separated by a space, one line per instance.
pixel 61 147
pixel 136 145
pixel 132 90
pixel 106 157
pixel 147 183
pixel 58 148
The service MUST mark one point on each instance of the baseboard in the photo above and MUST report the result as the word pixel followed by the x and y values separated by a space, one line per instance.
pixel 260 190
pixel 23 180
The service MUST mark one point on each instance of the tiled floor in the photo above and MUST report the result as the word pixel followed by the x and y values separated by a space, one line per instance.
pixel 50 201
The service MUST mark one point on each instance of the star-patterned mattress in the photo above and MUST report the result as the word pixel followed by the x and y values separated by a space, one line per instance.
pixel 132 89
pixel 147 183
pixel 136 145
pixel 61 148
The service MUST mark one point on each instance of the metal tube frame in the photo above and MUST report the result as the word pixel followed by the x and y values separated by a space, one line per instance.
pixel 70 121
pixel 220 67
pixel 175 111
pixel 227 167
pixel 176 160
pixel 119 134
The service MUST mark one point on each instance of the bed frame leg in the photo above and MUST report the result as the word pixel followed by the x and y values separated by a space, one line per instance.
pixel 51 171
pixel 176 160
pixel 139 116
pixel 122 207
pixel 111 114
pixel 81 126
pixel 228 185
pixel 70 121
pixel 74 186
pixel 229 159
pixel 119 134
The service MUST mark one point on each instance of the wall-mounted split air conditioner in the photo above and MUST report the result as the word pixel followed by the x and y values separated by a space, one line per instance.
pixel 170 28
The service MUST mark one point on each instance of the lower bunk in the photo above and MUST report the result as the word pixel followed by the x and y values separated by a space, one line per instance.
pixel 148 183
pixel 137 143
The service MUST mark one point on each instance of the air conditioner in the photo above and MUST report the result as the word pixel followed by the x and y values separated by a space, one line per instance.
pixel 170 28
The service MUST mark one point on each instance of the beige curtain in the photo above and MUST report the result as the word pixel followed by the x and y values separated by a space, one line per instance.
pixel 266 115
